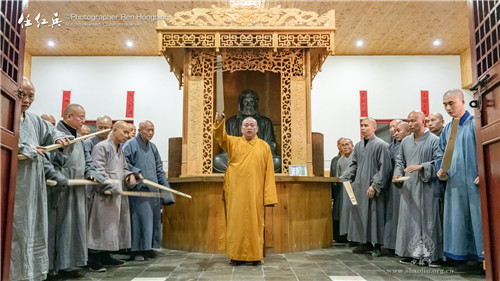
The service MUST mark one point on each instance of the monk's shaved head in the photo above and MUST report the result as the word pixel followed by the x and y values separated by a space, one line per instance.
pixel 120 132
pixel 437 115
pixel 146 130
pixel 74 116
pixel 249 119
pixel 372 121
pixel 416 120
pixel 454 103
pixel 403 125
pixel 103 118
pixel 49 118
pixel 28 94
pixel 144 124
pixel 120 124
pixel 454 93
pixel 72 108
pixel 435 123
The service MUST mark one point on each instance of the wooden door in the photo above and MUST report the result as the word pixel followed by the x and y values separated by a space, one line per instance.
pixel 12 57
pixel 484 22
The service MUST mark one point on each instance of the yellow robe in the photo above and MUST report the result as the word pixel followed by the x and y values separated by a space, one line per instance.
pixel 249 185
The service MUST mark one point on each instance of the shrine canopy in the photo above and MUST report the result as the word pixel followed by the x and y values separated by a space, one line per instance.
pixel 245 27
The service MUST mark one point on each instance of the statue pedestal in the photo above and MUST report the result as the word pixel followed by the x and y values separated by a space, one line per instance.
pixel 301 221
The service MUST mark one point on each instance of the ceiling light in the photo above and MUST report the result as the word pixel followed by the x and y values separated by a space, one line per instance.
pixel 437 42
pixel 359 43
pixel 51 43
pixel 130 43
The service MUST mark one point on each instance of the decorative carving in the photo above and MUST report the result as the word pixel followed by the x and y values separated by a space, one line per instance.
pixel 187 40
pixel 246 40
pixel 248 16
pixel 299 119
pixel 303 40
pixel 195 127
pixel 289 63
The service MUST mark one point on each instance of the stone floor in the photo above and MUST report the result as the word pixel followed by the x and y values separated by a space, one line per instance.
pixel 336 263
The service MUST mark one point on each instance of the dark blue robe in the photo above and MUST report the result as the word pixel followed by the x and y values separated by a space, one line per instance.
pixel 145 213
pixel 462 227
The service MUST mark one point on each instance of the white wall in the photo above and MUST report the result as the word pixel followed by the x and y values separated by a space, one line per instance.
pixel 100 85
pixel 393 84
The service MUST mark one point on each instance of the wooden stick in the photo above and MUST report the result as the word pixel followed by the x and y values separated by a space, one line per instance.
pixel 159 186
pixel 137 194
pixel 400 179
pixel 56 146
pixel 450 146
pixel 73 182
pixel 350 192
pixel 220 86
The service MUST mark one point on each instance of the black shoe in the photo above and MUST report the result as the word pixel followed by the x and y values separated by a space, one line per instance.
pixel 77 273
pixel 363 248
pixel 106 259
pixel 353 244
pixel 235 262
pixel 96 267
pixel 470 269
pixel 151 254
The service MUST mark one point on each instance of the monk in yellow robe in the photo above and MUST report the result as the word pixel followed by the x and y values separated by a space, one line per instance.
pixel 249 185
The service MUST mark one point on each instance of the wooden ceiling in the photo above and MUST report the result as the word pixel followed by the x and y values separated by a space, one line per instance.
pixel 386 27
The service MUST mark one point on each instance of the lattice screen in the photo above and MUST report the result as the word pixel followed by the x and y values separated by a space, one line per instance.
pixel 487 33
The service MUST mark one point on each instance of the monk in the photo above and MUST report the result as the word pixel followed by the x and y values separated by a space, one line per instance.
pixel 29 257
pixel 103 122
pixel 67 204
pixel 109 216
pixel 84 130
pixel 435 123
pixel 249 186
pixel 144 159
pixel 336 193
pixel 344 202
pixel 392 195
pixel 49 118
pixel 133 130
pixel 462 225
pixel 419 236
pixel 370 169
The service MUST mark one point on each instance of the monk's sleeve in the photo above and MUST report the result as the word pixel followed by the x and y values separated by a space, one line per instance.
pixel 129 150
pixel 90 168
pixel 270 196
pixel 51 173
pixel 400 165
pixel 220 134
pixel 381 178
pixel 428 172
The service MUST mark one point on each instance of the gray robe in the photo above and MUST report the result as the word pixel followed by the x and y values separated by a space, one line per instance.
pixel 67 212
pixel 392 204
pixel 419 233
pixel 345 210
pixel 29 258
pixel 109 216
pixel 145 213
pixel 370 166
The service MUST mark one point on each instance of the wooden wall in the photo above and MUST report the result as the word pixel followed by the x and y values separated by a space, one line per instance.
pixel 301 221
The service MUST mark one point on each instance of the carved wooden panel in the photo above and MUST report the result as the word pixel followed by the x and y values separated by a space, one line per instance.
pixel 194 149
pixel 299 122
pixel 289 63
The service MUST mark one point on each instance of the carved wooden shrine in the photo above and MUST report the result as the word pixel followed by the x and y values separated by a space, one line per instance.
pixel 276 52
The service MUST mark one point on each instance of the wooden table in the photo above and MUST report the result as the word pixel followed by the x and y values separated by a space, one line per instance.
pixel 301 221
